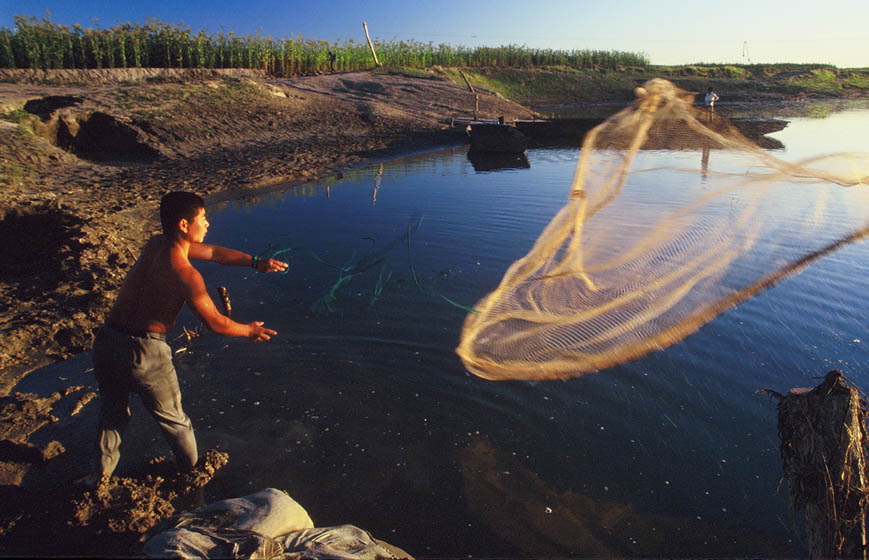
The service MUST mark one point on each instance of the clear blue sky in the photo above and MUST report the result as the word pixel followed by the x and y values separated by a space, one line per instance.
pixel 670 32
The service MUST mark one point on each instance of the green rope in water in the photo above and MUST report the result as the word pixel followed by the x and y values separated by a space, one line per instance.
pixel 432 291
pixel 371 258
pixel 380 283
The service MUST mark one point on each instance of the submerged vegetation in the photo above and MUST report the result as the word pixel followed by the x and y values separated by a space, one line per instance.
pixel 43 44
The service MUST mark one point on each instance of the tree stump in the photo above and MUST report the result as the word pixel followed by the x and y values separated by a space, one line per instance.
pixel 823 447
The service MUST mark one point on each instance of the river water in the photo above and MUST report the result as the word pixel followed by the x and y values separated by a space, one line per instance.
pixel 361 410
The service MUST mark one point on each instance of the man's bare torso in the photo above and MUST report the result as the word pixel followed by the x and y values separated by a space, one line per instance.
pixel 152 294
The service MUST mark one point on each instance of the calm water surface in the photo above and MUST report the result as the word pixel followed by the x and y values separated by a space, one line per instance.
pixel 361 410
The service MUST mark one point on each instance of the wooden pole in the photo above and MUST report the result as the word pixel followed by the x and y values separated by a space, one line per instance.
pixel 476 97
pixel 370 45
pixel 467 81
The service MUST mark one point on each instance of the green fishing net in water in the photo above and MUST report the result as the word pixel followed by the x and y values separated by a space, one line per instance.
pixel 673 217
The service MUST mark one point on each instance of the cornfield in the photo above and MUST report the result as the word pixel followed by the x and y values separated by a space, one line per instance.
pixel 42 44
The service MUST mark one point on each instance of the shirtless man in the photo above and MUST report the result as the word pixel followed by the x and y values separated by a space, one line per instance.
pixel 130 351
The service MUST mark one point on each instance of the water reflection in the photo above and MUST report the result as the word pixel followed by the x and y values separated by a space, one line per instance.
pixel 377 179
pixel 428 162
pixel 493 161
pixel 539 520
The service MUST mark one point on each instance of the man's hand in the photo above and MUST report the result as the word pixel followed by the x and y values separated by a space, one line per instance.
pixel 270 265
pixel 231 257
pixel 259 332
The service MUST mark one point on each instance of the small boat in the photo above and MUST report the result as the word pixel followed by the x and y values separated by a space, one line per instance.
pixel 496 138
pixel 754 128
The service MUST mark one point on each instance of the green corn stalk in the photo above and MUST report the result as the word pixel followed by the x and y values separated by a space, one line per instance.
pixel 233 45
pixel 138 51
pixel 29 47
pixel 95 48
pixel 120 38
pixel 43 44
pixel 106 37
pixel 68 50
pixel 7 58
pixel 201 61
pixel 221 50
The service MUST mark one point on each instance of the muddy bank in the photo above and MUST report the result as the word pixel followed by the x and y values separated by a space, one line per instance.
pixel 84 167
pixel 110 520
pixel 120 76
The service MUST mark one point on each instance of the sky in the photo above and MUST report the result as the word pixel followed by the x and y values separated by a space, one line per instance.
pixel 667 31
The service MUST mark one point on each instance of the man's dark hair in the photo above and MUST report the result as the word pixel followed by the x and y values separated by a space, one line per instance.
pixel 176 206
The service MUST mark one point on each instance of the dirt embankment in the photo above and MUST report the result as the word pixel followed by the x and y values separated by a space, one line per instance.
pixel 85 160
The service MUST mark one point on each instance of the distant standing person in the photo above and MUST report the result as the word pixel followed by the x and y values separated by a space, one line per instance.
pixel 130 352
pixel 332 58
pixel 711 98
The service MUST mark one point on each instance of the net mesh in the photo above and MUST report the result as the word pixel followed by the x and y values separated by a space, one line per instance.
pixel 649 247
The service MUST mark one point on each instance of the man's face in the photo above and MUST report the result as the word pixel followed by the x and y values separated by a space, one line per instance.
pixel 197 227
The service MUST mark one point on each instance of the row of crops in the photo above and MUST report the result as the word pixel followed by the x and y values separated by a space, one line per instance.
pixel 43 44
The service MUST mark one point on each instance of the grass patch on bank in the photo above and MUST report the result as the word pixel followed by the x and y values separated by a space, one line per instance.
pixel 27 123
pixel 857 79
pixel 718 71
pixel 12 176
pixel 422 73
pixel 17 116
pixel 166 101
pixel 553 85
pixel 22 154
pixel 820 80
pixel 830 80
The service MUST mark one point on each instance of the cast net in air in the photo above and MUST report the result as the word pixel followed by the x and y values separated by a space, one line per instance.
pixel 673 217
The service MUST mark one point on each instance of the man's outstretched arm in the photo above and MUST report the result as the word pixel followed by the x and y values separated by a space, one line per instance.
pixel 203 307
pixel 231 257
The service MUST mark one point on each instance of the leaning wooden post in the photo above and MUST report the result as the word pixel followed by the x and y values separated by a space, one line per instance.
pixel 476 97
pixel 823 446
pixel 370 45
